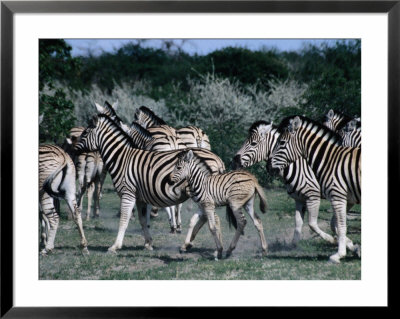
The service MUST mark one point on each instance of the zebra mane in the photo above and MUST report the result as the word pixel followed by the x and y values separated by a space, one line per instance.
pixel 117 128
pixel 305 120
pixel 157 120
pixel 255 125
pixel 112 112
pixel 141 130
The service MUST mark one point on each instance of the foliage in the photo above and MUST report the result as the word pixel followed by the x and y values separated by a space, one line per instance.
pixel 55 62
pixel 222 92
pixel 58 116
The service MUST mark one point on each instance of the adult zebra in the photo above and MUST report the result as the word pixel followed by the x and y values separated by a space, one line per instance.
pixel 156 139
pixel 145 140
pixel 140 177
pixel 337 168
pixel 90 172
pixel 163 138
pixel 187 137
pixel 56 180
pixel 301 183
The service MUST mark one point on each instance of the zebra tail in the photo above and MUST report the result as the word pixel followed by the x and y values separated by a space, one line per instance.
pixel 49 180
pixel 230 217
pixel 263 198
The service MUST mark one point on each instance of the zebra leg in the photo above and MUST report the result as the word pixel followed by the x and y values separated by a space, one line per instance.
pixel 339 207
pixel 241 223
pixel 52 217
pixel 178 209
pixel 97 194
pixel 90 192
pixel 197 220
pixel 210 212
pixel 149 208
pixel 76 214
pixel 44 229
pixel 249 207
pixel 171 217
pixel 313 210
pixel 143 210
pixel 127 204
pixel 356 249
pixel 298 222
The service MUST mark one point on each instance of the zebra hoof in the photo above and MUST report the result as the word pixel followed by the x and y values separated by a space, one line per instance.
pixel 111 251
pixel 148 246
pixel 85 251
pixel 218 254
pixel 43 253
pixel 334 259
pixel 228 253
pixel 357 251
pixel 264 253
pixel 173 230
pixel 179 230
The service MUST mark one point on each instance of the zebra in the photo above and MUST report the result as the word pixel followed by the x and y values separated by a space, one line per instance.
pixel 145 140
pixel 301 183
pixel 156 139
pixel 234 189
pixel 140 177
pixel 189 136
pixel 90 172
pixel 337 168
pixel 56 180
pixel 351 134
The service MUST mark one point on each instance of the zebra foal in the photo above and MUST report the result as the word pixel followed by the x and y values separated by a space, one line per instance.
pixel 337 168
pixel 235 189
pixel 56 180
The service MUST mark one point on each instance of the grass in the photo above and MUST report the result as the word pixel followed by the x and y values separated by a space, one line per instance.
pixel 307 261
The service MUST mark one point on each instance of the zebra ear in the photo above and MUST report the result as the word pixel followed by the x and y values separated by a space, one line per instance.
pixel 115 105
pixel 295 123
pixel 351 125
pixel 68 141
pixel 99 108
pixel 330 114
pixel 264 129
pixel 188 156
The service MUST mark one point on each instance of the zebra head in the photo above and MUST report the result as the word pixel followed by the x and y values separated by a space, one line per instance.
pixel 335 120
pixel 258 146
pixel 88 139
pixel 181 168
pixel 287 150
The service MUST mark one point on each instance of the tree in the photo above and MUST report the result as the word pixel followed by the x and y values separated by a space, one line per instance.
pixel 55 65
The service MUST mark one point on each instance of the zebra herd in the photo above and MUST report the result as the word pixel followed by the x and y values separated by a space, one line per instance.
pixel 153 165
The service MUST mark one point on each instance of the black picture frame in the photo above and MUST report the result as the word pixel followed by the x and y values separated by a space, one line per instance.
pixel 9 8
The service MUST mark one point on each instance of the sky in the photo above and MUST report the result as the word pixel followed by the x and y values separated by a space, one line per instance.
pixel 193 46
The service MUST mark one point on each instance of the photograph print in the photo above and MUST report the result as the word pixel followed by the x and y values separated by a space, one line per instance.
pixel 199 159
